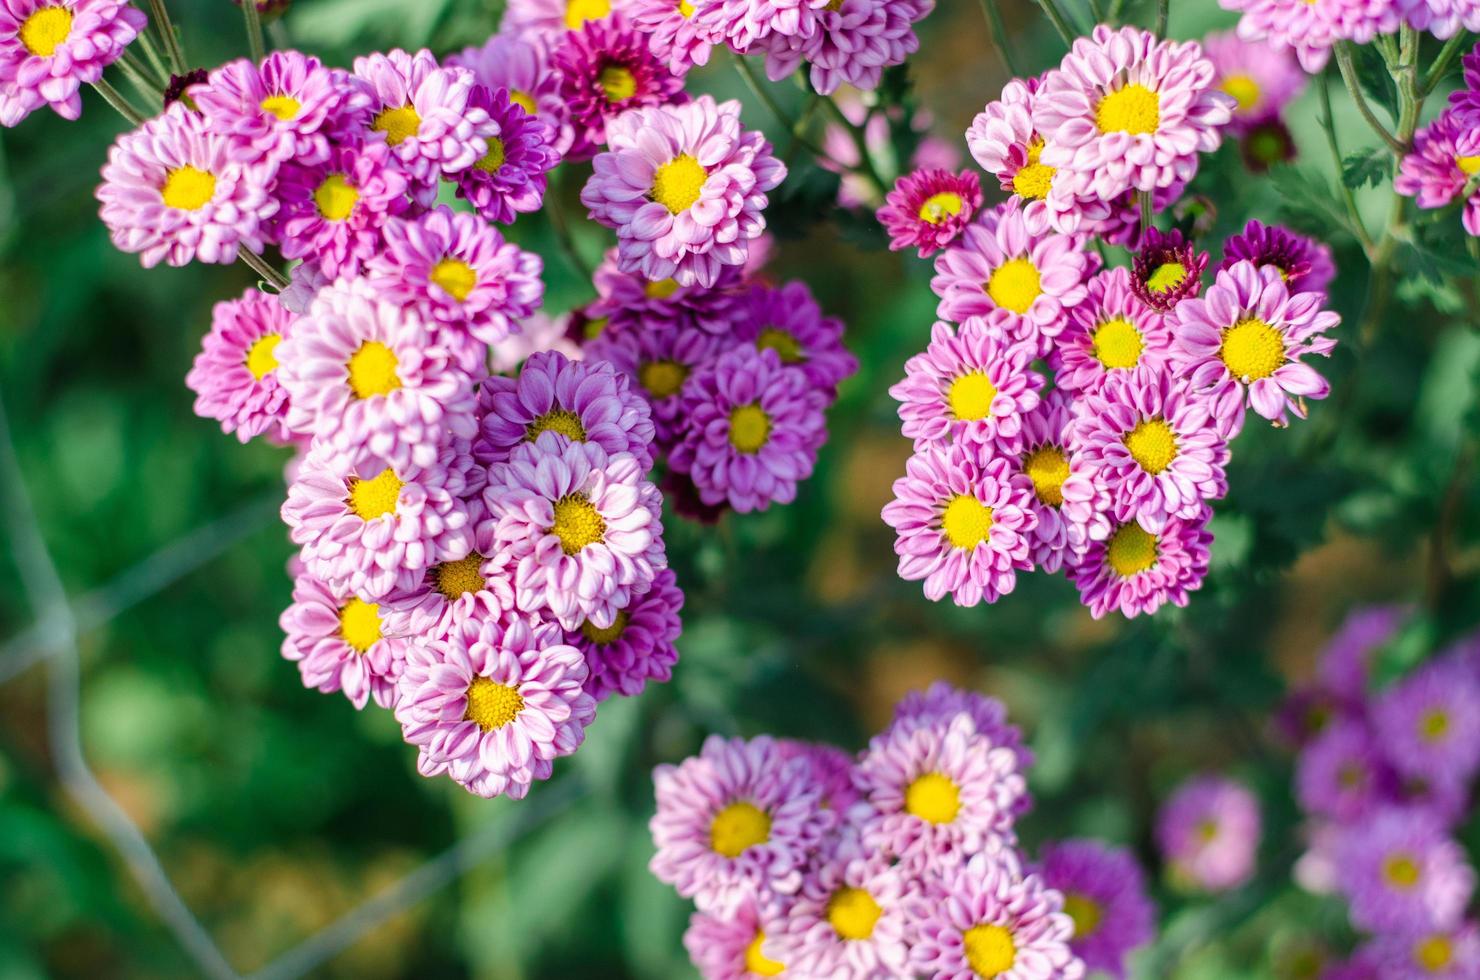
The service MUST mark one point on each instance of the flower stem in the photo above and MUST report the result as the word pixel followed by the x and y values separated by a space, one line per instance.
pixel 563 237
pixel 860 143
pixel 1349 77
pixel 253 20
pixel 256 263
pixel 1163 11
pixel 144 83
pixel 1059 22
pixel 115 98
pixel 166 29
pixel 1441 64
pixel 997 34
pixel 1144 197
pixel 1328 123
pixel 151 54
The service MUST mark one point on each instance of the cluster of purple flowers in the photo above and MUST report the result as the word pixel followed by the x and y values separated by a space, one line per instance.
pixel 901 861
pixel 1108 473
pixel 1384 778
pixel 1445 161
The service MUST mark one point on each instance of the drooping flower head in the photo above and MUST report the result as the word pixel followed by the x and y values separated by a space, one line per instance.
pixel 1401 872
pixel 606 68
pixel 49 49
pixel 928 209
pixel 639 644
pixel 1105 895
pixel 1261 78
pixel 788 320
pixel 1135 571
pixel 1304 263
pixel 851 918
pixel 1344 665
pixel 1445 157
pixel 846 42
pixel 1109 335
pixel 235 374
pixel 1427 723
pixel 510 178
pixel 1208 832
pixel 1168 268
pixel 332 213
pixel 340 643
pixel 280 109
pixel 421 110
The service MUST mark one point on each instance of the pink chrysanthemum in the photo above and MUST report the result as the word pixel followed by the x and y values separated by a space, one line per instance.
pixel 477 585
pixel 1167 269
pixel 1441 18
pixel 539 20
pixel 638 646
pixel 521 64
pixel 673 32
pixel 510 178
pixel 1126 110
pixel 1341 773
pixel 831 768
pixel 49 49
pixel 341 643
pixel 684 187
pixel 172 193
pixel 752 432
pixel 581 401
pixel 735 821
pixel 848 42
pixel 584 530
pixel 1245 341
pixel 939 705
pixel 365 376
pixel 851 918
pixel 1402 872
pixel 737 946
pixel 1069 500
pixel 1445 157
pixel 494 704
pixel 1109 335
pixel 1105 895
pixel 1135 571
pixel 279 110
pixel 1311 29
pixel 1427 722
pixel 235 374
pixel 626 299
pixel 1261 78
pixel 333 212
pixel 370 532
pixel 1345 662
pixel 657 363
pixel 739 23
pixel 1208 832
pixel 929 209
pixel 421 110
pixel 988 919
pixel 1433 954
pixel 788 320
pixel 1304 263
pixel 606 69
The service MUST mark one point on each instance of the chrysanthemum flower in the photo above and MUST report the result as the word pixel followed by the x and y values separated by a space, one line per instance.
pixel 1427 722
pixel 1344 664
pixel 831 768
pixel 656 364
pixel 1154 445
pixel 1311 29
pixel 606 68
pixel 235 374
pixel 172 192
pixel 673 32
pixel 1134 571
pixel 735 821
pixel 1208 832
pixel 1125 110
pixel 738 946
pixel 49 49
pixel 279 110
pixel 850 919
pixel 684 187
pixel 581 401
pixel 1401 871
pixel 939 705
pixel 1341 773
pixel 1261 78
pixel 365 376
pixel 638 646
pixel 739 23
pixel 1445 157
pixel 987 919
pixel 628 298
pixel 494 704
pixel 1245 339
pixel 538 20
pixel 340 643
pixel 520 63
pixel 477 585
pixel 1430 954
pixel 1025 282
pixel 1441 18
pixel 510 178
pixel 333 212
pixel 1304 263
pixel 1167 269
pixel 788 320
pixel 369 532
pixel 847 42
pixel 1109 335
pixel 928 209
pixel 753 429
pixel 421 110
pixel 1105 895
pixel 584 529
pixel 1266 143
pixel 1069 499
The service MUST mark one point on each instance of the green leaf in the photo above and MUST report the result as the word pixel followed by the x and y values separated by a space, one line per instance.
pixel 1373 166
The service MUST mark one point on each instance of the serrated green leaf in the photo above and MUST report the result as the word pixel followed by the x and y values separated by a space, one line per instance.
pixel 1372 166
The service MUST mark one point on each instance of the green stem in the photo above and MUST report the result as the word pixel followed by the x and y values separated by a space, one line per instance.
pixel 1097 11
pixel 796 127
pixel 151 53
pixel 171 40
pixel 115 98
pixel 1441 64
pixel 563 236
pixel 1163 11
pixel 860 143
pixel 154 79
pixel 256 263
pixel 1059 22
pixel 1349 77
pixel 997 33
pixel 149 90
pixel 1146 216
pixel 253 20
pixel 1329 125
pixel 1117 7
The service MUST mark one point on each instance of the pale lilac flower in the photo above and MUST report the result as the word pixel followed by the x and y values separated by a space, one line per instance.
pixel 673 32
pixel 1261 78
pixel 1436 954
pixel 1208 832
pixel 929 209
pixel 280 109
pixel 657 363
pixel 737 946
pixel 235 374
pixel 638 646
pixel 941 703
pixel 848 42
pixel 510 178
pixel 1401 871
pixel 1342 774
pixel 1109 335
pixel 421 110
pixel 1445 157
pixel 1311 29
pixel 533 21
pixel 520 63
pixel 1068 497
pixel 606 69
pixel 739 23
pixel 476 585
pixel 788 320
pixel 49 49
pixel 1345 662
pixel 1134 571
pixel 1441 18
pixel 850 919
pixel 1428 724
pixel 1304 263
pixel 831 768
pixel 1105 895
pixel 1167 269
pixel 340 643
pixel 333 213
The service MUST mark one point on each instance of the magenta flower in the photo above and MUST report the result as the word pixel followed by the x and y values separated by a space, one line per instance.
pixel 533 21
pixel 341 643
pixel 280 110
pixel 1261 78
pixel 1445 157
pixel 630 299
pixel 846 42
pixel 235 374
pixel 1401 872
pixel 1135 571
pixel 1167 269
pixel 1341 773
pixel 510 178
pixel 684 187
pixel 1208 832
pixel 333 212
pixel 1433 954
pixel 673 32
pixel 606 68
pixel 1304 263
pixel 1109 335
pixel 521 64
pixel 49 49
pixel 850 919
pixel 656 364
pixel 477 585
pixel 421 110
pixel 735 946
pixel 1069 498
pixel 1345 661
pixel 1427 724
pixel 1311 29
pixel 171 192
pixel 929 209
pixel 1105 895
pixel 788 320
pixel 831 768
pixel 940 704
pixel 494 704
pixel 637 646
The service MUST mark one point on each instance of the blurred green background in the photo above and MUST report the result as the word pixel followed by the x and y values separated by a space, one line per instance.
pixel 275 809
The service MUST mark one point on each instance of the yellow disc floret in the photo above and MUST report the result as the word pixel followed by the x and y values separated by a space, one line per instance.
pixel 1434 953
pixel 759 963
pixel 1400 871
pixel 853 913
pixel 359 625
pixel 492 161
pixel 285 107
pixel 1434 725
pixel 1117 343
pixel 1086 913
pixel 456 278
pixel 938 207
pixel 492 705
pixel 966 522
pixel 261 357
pixel 738 827
pixel 1243 88
pixel 188 188
pixel 456 579
pixel 1252 349
pixel 1132 109
pixel 1048 468
pixel 1132 550
pixel 933 798
pixel 398 124
pixel 1166 277
pixel 577 12
pixel 45 30
pixel 678 183
pixel 1015 284
pixel 662 379
pixel 577 523
pixel 372 370
pixel 1469 166
pixel 989 949
pixel 605 636
pixel 376 496
pixel 335 198
pixel 560 420
pixel 1152 444
pixel 750 428
pixel 970 396
pixel 787 347
pixel 617 83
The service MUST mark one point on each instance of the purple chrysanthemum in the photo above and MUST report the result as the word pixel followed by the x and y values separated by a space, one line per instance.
pixel 510 178
pixel 1341 773
pixel 1427 722
pixel 846 42
pixel 673 32
pixel 1261 78
pixel 1311 29
pixel 1135 571
pixel 521 64
pixel 1167 269
pixel 1441 18
pixel 332 214
pixel 831 768
pixel 1110 334
pixel 626 299
pixel 49 49
pixel 788 320
pixel 1208 832
pixel 476 585
pixel 1402 872
pixel 1344 665
pixel 421 110
pixel 1069 500
pixel 638 646
pixel 1444 159
pixel 851 918
pixel 280 110
pixel 1304 263
pixel 606 68
pixel 929 209
pixel 1434 954
pixel 737 946
pixel 740 23
pixel 1105 895
pixel 340 643
pixel 235 374
pixel 656 363
pixel 684 187
pixel 941 703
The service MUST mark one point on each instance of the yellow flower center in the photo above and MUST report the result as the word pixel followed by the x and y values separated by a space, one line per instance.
pixel 939 207
pixel 560 420
pixel 1207 831
pixel 750 427
pixel 376 496
pixel 335 198
pixel 1434 953
pixel 933 798
pixel 1166 277
pixel 966 522
pixel 455 276
pixel 677 183
pixel 787 347
pixel 45 30
pixel 1048 468
pixel 1469 166
pixel 1434 725
pixel 1400 871
pixel 1014 285
pixel 372 370
pixel 261 360
pixel 990 950
pixel 755 961
pixel 738 827
pixel 577 12
pixel 493 160
pixel 1132 109
pixel 853 913
pixel 524 101
pixel 188 189
pixel 491 704
pixel 606 636
pixel 594 326
pixel 1132 550
pixel 971 396
pixel 1117 343
pixel 359 625
pixel 662 289
pixel 285 107
pixel 1086 913
pixel 662 379
pixel 456 579
pixel 577 523
pixel 1152 444
pixel 1252 349
pixel 1033 180
pixel 398 124
pixel 617 82
pixel 1243 88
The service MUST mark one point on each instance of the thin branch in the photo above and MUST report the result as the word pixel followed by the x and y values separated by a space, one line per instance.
pixel 997 34
pixel 115 98
pixel 796 127
pixel 256 263
pixel 1441 63
pixel 1349 77
pixel 253 21
pixel 167 33
pixel 1328 123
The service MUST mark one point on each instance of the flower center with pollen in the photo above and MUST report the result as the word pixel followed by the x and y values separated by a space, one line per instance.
pixel 1400 871
pixel 617 83
pixel 1033 179
pixel 456 278
pixel 561 420
pixel 285 107
pixel 787 347
pixel 359 625
pixel 739 827
pixel 1434 953
pixel 662 379
pixel 759 963
pixel 853 913
pixel 1166 277
pixel 456 579
pixel 335 198
pixel 989 949
pixel 1152 445
pixel 1086 913
pixel 577 523
pixel 491 704
pixel 1434 725
pixel 1117 343
pixel 45 30
pixel 971 396
pixel 524 101
pixel 372 370
pixel 677 183
pixel 1014 285
pixel 967 522
pixel 1048 468
pixel 376 496
pixel 1469 166
pixel 188 189
pixel 1243 88
pixel 662 289
pixel 577 12
pixel 938 207
pixel 1132 550
pixel 1252 349
pixel 606 636
pixel 261 359
pixel 493 160
pixel 750 428
pixel 933 798
pixel 1132 109
pixel 398 124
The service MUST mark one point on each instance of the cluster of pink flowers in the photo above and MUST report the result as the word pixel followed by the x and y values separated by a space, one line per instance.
pixel 901 860
pixel 1107 473
pixel 1445 161
pixel 1384 778
pixel 1311 30
pixel 49 49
